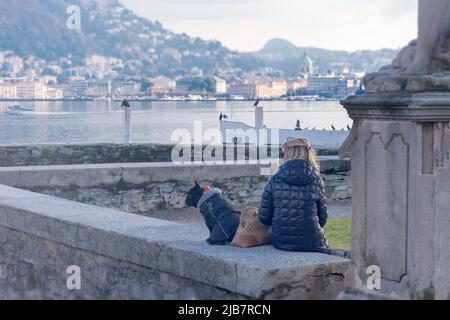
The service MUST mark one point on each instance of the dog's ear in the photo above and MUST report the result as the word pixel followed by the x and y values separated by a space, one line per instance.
pixel 197 184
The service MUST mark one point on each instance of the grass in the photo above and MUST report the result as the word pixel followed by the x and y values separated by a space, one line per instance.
pixel 339 233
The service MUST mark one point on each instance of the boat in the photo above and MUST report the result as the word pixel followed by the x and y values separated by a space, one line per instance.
pixel 233 132
pixel 309 98
pixel 194 97
pixel 238 98
pixel 20 109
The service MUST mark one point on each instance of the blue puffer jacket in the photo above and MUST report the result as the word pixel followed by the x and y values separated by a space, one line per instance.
pixel 294 204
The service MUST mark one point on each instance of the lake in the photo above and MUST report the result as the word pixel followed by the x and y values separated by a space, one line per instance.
pixel 152 122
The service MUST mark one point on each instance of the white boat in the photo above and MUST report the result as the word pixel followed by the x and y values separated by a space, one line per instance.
pixel 238 98
pixel 309 98
pixel 240 133
pixel 20 109
pixel 194 97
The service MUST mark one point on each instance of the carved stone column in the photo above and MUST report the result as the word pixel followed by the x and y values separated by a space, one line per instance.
pixel 400 151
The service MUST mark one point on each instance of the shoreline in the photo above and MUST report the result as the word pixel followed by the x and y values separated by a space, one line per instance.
pixel 161 100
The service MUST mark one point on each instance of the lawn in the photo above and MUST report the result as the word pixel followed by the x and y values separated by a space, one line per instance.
pixel 339 233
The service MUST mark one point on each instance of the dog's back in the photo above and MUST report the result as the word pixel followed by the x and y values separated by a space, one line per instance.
pixel 218 212
pixel 220 217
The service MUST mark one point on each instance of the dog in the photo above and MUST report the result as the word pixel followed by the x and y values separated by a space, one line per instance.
pixel 218 212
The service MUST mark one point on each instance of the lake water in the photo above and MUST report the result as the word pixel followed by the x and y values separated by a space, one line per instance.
pixel 153 122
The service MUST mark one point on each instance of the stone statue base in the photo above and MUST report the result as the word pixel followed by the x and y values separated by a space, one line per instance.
pixel 400 152
pixel 395 77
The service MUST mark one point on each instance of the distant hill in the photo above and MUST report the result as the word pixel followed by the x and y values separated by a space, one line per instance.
pixel 280 47
pixel 38 28
pixel 284 55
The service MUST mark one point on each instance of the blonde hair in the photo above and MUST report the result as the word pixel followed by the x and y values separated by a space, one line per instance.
pixel 300 149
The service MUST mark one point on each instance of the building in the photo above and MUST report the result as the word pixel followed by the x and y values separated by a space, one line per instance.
pixel 306 65
pixel 264 90
pixel 296 86
pixel 162 86
pixel 253 90
pixel 326 86
pixel 49 80
pixel 32 90
pixel 184 86
pixel 13 66
pixel 279 88
pixel 348 86
pixel 101 89
pixel 55 93
pixel 163 82
pixel 160 91
pixel 246 90
pixel 8 91
pixel 76 88
pixel 220 85
pixel 332 86
pixel 129 89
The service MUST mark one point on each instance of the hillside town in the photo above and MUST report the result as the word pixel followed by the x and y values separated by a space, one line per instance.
pixel 101 78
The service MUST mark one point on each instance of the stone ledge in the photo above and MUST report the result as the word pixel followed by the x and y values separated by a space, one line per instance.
pixel 96 175
pixel 262 273
pixel 67 154
pixel 111 174
pixel 401 106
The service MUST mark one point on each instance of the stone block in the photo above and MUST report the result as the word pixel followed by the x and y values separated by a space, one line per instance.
pixel 117 250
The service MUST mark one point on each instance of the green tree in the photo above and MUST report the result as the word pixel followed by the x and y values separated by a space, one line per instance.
pixel 146 84
pixel 203 84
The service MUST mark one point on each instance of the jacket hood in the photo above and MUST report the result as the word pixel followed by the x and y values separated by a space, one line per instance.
pixel 297 173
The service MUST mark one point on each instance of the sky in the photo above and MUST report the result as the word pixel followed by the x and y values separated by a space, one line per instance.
pixel 246 25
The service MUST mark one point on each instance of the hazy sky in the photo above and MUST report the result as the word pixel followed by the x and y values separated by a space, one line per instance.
pixel 246 25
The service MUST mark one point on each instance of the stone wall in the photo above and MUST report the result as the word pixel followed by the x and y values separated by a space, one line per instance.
pixel 125 256
pixel 147 188
pixel 42 155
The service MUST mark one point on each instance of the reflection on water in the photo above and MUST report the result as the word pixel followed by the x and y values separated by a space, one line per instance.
pixel 101 121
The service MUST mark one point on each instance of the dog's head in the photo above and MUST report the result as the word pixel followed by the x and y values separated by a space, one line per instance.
pixel 194 195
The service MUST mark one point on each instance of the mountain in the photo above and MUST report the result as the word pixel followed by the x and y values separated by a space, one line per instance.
pixel 286 56
pixel 38 28
pixel 279 47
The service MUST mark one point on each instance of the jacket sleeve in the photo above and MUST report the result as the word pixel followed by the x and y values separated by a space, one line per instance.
pixel 266 210
pixel 322 204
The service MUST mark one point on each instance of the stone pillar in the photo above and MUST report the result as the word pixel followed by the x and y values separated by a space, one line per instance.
pixel 400 151
pixel 259 117
pixel 126 138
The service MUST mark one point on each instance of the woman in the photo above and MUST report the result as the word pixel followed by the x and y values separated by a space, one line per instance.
pixel 294 202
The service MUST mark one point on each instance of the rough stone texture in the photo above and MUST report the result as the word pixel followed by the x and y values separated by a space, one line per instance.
pixel 146 188
pixel 397 76
pixel 400 151
pixel 43 155
pixel 396 81
pixel 356 295
pixel 35 268
pixel 128 256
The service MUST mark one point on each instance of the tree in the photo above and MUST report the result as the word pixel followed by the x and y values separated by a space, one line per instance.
pixel 146 84
pixel 203 84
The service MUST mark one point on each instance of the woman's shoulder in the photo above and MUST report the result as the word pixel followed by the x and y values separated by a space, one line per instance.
pixel 318 179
